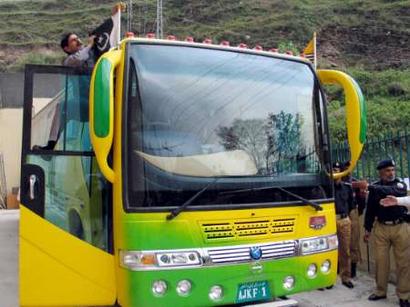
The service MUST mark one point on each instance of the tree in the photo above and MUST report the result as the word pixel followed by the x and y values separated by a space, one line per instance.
pixel 274 144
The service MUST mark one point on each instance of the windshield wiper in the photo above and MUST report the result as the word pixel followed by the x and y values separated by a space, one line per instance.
pixel 316 206
pixel 175 212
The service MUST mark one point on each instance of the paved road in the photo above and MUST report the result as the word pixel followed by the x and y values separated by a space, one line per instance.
pixel 338 296
pixel 8 258
pixel 342 296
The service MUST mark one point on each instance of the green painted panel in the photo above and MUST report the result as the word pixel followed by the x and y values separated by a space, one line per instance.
pixel 102 98
pixel 229 277
pixel 363 112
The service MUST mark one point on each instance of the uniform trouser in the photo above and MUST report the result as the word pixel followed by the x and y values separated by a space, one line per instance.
pixel 355 254
pixel 398 237
pixel 343 235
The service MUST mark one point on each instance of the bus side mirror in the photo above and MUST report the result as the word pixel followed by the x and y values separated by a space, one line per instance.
pixel 102 109
pixel 356 121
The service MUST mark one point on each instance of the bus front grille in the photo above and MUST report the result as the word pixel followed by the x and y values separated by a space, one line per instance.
pixel 247 228
pixel 242 253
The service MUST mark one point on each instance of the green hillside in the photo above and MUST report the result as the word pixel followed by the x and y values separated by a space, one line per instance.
pixel 370 38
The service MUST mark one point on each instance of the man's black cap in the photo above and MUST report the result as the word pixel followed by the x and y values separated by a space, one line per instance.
pixel 337 164
pixel 386 163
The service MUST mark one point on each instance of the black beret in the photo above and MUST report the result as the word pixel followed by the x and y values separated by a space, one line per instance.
pixel 337 164
pixel 385 163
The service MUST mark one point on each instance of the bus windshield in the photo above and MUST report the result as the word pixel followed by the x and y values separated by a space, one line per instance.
pixel 237 120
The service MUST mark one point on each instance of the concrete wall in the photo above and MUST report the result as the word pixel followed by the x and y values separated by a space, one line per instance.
pixel 11 117
pixel 11 90
pixel 11 127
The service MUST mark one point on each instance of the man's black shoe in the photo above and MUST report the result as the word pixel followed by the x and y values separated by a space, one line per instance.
pixel 353 270
pixel 374 297
pixel 404 303
pixel 329 287
pixel 348 284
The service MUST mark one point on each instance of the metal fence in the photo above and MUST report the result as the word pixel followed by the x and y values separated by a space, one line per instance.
pixel 391 145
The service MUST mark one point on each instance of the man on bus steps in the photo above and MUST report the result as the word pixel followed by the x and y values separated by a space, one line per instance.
pixel 343 204
pixel 390 229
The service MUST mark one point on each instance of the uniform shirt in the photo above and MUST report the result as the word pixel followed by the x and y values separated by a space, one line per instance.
pixel 343 198
pixel 378 191
pixel 359 198
pixel 83 58
pixel 404 201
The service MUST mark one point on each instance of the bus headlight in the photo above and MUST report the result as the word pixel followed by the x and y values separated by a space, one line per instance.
pixel 314 245
pixel 325 267
pixel 216 293
pixel 288 282
pixel 312 270
pixel 178 259
pixel 184 287
pixel 135 260
pixel 159 287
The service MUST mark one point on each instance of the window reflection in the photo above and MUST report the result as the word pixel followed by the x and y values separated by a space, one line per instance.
pixel 193 116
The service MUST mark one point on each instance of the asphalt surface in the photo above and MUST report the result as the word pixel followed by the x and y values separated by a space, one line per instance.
pixel 338 296
pixel 9 258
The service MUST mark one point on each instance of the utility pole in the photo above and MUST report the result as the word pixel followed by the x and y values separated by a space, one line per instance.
pixel 159 32
pixel 142 13
pixel 129 16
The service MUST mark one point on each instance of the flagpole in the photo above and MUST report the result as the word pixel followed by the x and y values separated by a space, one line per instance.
pixel 118 34
pixel 314 50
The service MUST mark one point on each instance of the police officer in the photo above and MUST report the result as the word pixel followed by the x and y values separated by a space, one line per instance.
pixel 355 255
pixel 389 229
pixel 343 203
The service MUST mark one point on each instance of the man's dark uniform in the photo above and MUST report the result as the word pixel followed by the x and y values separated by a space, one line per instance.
pixel 390 228
pixel 344 203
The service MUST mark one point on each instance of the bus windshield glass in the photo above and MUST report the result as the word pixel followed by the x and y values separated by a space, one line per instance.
pixel 237 120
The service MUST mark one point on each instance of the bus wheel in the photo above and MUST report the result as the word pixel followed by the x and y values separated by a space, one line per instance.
pixel 76 226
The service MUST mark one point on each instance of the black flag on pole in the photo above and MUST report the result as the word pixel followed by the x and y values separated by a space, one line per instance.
pixel 107 35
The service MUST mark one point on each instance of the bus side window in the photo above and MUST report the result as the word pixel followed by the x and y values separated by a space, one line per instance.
pixel 58 120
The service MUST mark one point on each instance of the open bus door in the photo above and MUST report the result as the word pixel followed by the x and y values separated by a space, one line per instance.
pixel 65 226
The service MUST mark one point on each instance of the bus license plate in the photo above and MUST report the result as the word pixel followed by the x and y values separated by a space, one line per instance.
pixel 253 291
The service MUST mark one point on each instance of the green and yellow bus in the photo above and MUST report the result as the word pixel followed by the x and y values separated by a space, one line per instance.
pixel 181 174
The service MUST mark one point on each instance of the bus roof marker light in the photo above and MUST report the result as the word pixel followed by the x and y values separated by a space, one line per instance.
pixel 242 45
pixel 207 41
pixel 150 35
pixel 129 34
pixel 171 37
pixel 258 48
pixel 289 52
pixel 189 39
pixel 225 43
pixel 216 293
pixel 275 50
